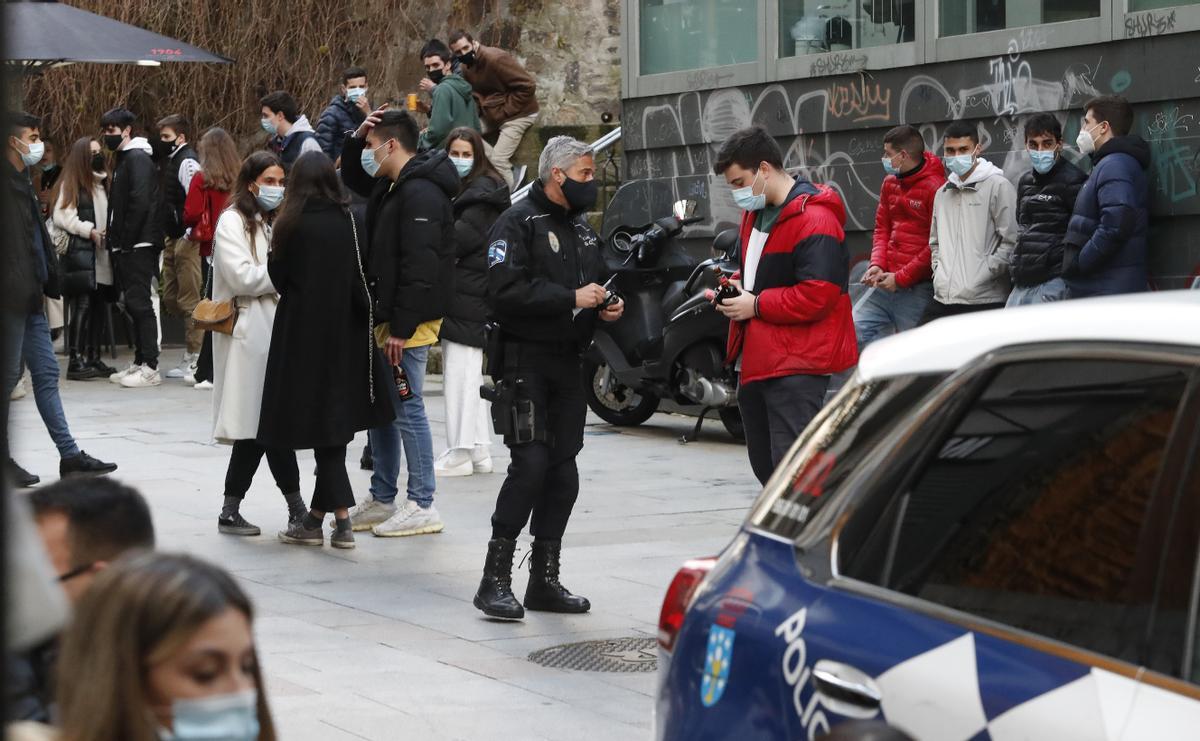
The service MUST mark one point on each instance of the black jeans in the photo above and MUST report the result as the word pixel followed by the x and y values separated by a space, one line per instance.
pixel 332 490
pixel 543 480
pixel 243 464
pixel 937 310
pixel 774 412
pixel 136 270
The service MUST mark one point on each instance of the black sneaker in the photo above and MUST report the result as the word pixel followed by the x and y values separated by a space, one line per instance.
pixel 103 370
pixel 367 461
pixel 236 525
pixel 84 465
pixel 21 478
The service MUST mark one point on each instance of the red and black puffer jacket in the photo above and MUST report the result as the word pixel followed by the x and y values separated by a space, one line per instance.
pixel 804 323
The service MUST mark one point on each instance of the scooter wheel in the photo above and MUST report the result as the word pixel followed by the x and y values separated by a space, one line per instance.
pixel 613 401
pixel 731 417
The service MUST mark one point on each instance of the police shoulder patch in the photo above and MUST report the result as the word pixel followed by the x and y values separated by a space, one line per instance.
pixel 496 252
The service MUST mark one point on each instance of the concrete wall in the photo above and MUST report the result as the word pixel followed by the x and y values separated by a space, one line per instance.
pixel 832 128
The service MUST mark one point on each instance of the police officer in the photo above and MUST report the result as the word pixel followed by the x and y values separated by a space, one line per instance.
pixel 544 267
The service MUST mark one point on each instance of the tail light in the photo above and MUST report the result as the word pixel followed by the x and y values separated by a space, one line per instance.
pixel 679 599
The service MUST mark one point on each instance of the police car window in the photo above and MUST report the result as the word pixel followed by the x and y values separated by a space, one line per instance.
pixel 832 448
pixel 1034 510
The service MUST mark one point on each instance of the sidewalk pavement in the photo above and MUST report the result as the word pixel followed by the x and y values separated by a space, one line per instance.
pixel 382 642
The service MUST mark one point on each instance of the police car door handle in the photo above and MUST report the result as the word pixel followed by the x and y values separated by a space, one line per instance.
pixel 845 683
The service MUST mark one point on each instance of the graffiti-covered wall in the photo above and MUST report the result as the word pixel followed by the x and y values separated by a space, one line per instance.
pixel 832 127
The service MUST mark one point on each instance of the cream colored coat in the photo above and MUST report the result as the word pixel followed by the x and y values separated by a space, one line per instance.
pixel 67 220
pixel 240 359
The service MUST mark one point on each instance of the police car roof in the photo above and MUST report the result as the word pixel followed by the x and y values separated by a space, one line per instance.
pixel 1160 317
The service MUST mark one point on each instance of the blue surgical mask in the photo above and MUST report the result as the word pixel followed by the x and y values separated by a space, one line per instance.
pixel 270 196
pixel 354 93
pixel 268 126
pixel 463 165
pixel 745 198
pixel 34 155
pixel 232 717
pixel 961 164
pixel 1042 161
pixel 889 168
pixel 369 164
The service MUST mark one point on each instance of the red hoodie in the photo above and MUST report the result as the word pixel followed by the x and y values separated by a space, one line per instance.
pixel 901 242
pixel 804 323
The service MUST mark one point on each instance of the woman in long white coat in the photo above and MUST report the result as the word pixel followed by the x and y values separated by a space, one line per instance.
pixel 240 247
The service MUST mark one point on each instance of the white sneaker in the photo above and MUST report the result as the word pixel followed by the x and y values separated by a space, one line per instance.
pixel 143 377
pixel 411 519
pixel 453 463
pixel 119 375
pixel 203 386
pixel 370 513
pixel 19 391
pixel 186 366
pixel 481 459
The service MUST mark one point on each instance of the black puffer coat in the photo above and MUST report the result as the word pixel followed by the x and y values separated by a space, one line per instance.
pixel 475 210
pixel 1044 207
pixel 25 275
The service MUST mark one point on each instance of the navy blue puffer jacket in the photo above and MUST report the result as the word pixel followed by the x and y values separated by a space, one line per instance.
pixel 341 116
pixel 1106 239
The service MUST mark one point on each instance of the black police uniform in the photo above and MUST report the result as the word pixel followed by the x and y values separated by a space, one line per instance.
pixel 539 254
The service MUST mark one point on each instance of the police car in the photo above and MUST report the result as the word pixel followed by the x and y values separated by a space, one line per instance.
pixel 992 532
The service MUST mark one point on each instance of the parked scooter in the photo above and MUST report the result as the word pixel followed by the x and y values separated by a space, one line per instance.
pixel 670 344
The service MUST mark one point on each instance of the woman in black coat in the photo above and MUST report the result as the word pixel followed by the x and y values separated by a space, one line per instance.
pixel 481 200
pixel 324 377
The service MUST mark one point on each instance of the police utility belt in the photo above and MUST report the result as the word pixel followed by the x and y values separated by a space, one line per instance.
pixel 515 417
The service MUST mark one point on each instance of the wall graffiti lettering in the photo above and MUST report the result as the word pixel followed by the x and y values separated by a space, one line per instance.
pixel 1149 23
pixel 1169 120
pixel 860 101
pixel 837 64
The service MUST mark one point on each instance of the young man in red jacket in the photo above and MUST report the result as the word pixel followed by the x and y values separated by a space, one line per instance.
pixel 900 272
pixel 791 325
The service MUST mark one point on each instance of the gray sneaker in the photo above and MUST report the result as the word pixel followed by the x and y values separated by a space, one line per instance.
pixel 236 525
pixel 341 538
pixel 297 534
pixel 370 513
pixel 411 519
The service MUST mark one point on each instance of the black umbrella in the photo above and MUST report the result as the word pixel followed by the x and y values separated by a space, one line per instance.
pixel 43 33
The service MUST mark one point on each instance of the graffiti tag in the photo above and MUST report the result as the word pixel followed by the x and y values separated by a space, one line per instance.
pixel 860 101
pixel 837 64
pixel 1149 23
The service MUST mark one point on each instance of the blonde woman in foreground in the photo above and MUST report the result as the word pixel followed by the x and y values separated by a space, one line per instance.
pixel 161 647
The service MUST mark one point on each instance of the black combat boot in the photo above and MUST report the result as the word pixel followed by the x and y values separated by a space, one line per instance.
pixel 544 592
pixel 495 596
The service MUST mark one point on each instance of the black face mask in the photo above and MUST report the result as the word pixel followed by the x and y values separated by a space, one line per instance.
pixel 112 141
pixel 437 75
pixel 98 162
pixel 468 58
pixel 161 149
pixel 580 196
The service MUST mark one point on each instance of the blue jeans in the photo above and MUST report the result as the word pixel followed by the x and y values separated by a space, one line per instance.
pixel 882 313
pixel 411 427
pixel 1054 289
pixel 28 339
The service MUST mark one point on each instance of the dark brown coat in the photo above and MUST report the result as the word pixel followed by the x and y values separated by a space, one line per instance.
pixel 504 89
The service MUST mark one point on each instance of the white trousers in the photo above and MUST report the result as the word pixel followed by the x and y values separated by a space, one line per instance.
pixel 468 417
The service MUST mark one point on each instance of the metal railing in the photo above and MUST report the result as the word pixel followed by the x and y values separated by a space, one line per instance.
pixel 602 144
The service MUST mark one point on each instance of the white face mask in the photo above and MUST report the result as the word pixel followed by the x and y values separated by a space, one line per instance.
pixel 1086 141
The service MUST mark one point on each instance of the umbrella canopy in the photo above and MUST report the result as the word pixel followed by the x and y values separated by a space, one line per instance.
pixel 44 33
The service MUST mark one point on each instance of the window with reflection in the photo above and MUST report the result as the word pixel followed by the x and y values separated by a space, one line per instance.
pixel 679 35
pixel 821 26
pixel 958 17
pixel 1136 5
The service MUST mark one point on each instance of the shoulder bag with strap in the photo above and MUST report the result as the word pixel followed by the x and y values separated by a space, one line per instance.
pixel 209 315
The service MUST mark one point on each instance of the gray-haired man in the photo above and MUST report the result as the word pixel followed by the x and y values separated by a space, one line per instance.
pixel 543 287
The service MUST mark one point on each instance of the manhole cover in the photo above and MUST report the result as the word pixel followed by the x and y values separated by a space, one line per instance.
pixel 613 655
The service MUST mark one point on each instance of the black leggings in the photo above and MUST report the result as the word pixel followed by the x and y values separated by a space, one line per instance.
pixel 243 464
pixel 204 366
pixel 332 491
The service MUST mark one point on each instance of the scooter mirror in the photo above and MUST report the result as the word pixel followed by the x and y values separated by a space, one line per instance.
pixel 684 210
